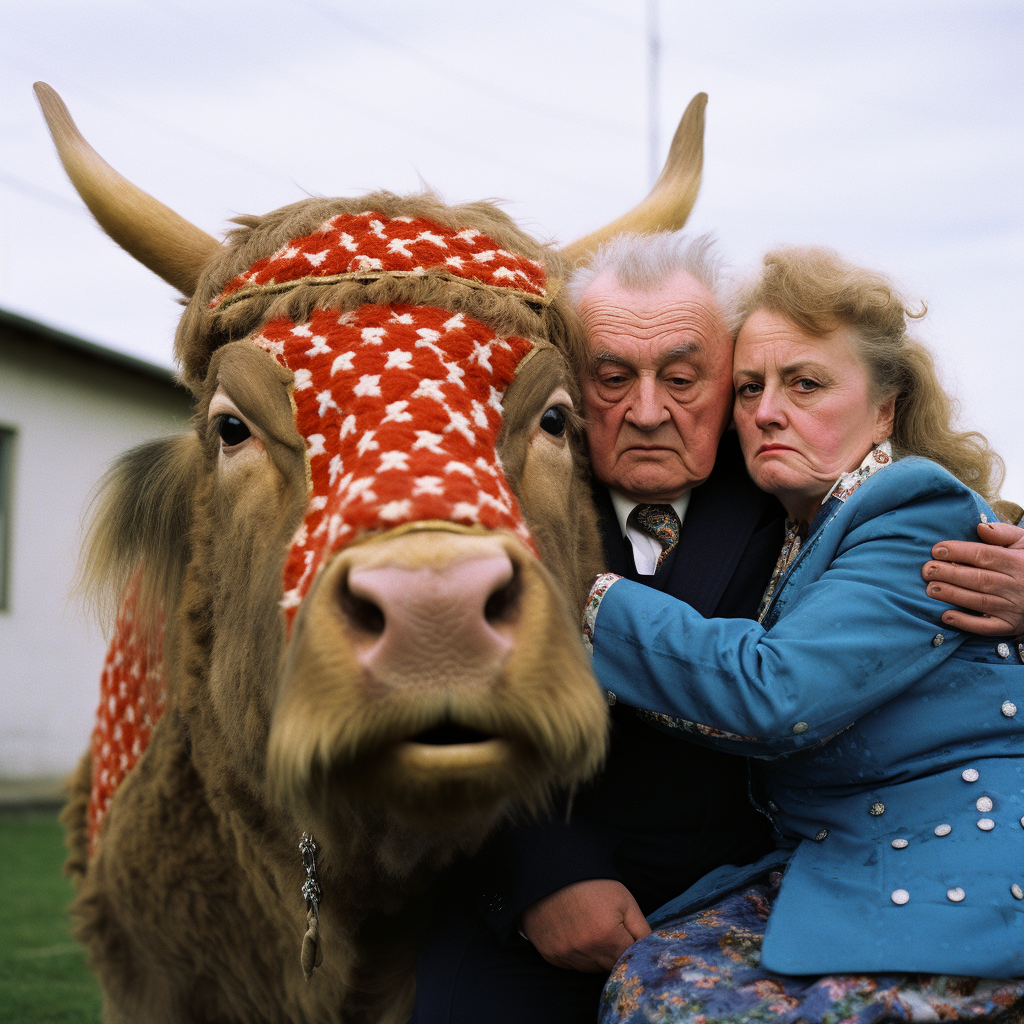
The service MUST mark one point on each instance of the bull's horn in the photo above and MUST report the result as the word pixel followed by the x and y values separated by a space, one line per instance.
pixel 151 232
pixel 670 200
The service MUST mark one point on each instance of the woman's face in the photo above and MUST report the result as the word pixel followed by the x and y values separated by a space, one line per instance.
pixel 803 411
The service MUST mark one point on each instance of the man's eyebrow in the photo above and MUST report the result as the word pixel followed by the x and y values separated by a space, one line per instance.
pixel 605 356
pixel 682 351
pixel 679 352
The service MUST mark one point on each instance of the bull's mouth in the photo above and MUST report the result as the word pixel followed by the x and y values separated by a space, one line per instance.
pixel 451 749
pixel 448 734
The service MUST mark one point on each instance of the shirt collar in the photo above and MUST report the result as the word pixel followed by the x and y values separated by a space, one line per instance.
pixel 624 506
pixel 878 458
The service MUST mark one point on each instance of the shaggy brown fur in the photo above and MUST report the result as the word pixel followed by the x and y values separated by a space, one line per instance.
pixel 143 515
pixel 190 906
pixel 74 818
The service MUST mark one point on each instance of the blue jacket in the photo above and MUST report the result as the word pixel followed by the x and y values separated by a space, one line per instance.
pixel 880 726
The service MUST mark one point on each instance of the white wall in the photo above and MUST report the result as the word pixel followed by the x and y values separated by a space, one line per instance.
pixel 73 415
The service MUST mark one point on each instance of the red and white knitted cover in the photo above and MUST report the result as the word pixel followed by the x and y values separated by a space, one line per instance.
pixel 400 407
pixel 369 244
pixel 131 701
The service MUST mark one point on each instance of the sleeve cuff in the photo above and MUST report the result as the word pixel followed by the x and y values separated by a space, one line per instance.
pixel 594 598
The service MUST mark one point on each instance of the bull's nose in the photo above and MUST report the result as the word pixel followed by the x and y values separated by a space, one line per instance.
pixel 437 624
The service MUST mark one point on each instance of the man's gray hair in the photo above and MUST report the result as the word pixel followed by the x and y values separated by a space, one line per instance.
pixel 643 262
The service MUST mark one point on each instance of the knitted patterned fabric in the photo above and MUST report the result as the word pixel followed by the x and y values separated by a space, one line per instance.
pixel 131 701
pixel 366 245
pixel 400 407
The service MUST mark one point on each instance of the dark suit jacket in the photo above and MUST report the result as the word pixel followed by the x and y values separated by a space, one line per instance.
pixel 664 811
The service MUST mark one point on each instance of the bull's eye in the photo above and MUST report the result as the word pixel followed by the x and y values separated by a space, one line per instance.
pixel 232 430
pixel 553 421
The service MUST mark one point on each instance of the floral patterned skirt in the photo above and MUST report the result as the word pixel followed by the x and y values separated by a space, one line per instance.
pixel 705 968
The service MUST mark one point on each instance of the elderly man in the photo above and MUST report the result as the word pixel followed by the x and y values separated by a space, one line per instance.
pixel 530 930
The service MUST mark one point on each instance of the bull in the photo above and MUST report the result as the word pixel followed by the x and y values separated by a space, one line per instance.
pixel 346 640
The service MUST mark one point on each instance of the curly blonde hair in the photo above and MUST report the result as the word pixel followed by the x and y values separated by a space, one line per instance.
pixel 820 292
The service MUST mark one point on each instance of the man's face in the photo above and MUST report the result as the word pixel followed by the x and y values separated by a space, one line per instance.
pixel 658 394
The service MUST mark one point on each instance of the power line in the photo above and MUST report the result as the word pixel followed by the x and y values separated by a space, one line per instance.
pixel 42 195
pixel 136 118
pixel 387 42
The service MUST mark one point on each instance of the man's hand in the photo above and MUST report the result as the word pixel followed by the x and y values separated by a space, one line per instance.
pixel 986 578
pixel 586 926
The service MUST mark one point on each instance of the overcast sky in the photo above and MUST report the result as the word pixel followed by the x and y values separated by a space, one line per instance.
pixel 891 131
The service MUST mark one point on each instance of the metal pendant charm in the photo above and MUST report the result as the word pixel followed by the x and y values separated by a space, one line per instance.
pixel 312 955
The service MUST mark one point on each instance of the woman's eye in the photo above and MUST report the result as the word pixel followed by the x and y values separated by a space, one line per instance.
pixel 806 384
pixel 553 421
pixel 232 430
pixel 748 389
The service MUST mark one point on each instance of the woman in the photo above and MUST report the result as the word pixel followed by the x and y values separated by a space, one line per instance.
pixel 894 767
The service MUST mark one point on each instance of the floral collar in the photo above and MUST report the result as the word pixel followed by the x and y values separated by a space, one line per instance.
pixel 878 458
pixel 797 532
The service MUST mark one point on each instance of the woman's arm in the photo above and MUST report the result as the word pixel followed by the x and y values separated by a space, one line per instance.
pixel 850 638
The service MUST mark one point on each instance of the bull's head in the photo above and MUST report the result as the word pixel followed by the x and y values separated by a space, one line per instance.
pixel 387 439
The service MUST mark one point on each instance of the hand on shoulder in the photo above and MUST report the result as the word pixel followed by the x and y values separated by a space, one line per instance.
pixel 986 579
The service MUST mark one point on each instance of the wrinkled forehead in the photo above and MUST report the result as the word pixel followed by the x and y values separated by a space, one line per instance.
pixel 678 315
pixel 647 294
pixel 771 341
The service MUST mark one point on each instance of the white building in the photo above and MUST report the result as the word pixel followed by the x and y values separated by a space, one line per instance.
pixel 67 409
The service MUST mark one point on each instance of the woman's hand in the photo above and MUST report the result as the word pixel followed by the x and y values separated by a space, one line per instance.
pixel 986 578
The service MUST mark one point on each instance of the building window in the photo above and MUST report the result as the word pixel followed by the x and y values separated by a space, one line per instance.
pixel 6 505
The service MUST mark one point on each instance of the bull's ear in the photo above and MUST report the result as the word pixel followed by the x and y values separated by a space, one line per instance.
pixel 153 233
pixel 670 200
pixel 142 520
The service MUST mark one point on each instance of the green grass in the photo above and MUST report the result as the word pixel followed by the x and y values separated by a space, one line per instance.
pixel 43 977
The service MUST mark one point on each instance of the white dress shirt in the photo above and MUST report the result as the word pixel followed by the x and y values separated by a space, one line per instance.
pixel 646 549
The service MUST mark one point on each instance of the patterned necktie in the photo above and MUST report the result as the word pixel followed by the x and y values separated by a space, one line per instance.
pixel 662 523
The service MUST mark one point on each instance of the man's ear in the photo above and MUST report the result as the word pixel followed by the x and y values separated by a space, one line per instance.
pixel 886 414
